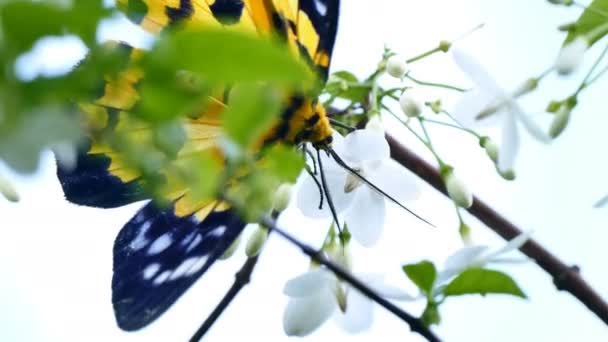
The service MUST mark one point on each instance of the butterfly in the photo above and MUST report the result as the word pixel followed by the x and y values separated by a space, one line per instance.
pixel 163 250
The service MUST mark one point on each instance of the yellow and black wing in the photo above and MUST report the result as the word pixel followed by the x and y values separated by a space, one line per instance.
pixel 308 26
pixel 163 250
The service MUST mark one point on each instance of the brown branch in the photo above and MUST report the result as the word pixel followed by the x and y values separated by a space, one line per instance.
pixel 566 278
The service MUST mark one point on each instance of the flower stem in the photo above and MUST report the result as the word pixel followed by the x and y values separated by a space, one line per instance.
pixel 585 82
pixel 425 54
pixel 436 85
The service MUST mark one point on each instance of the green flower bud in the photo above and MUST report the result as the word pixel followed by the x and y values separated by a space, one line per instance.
pixel 230 251
pixel 490 147
pixel 410 105
pixel 282 197
pixel 560 121
pixel 457 190
pixel 256 242
pixel 396 66
pixel 8 190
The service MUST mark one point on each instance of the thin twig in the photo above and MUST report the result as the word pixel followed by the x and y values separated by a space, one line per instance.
pixel 415 324
pixel 566 278
pixel 241 279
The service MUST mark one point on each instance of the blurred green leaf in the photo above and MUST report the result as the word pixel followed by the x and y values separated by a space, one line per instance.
pixel 482 281
pixel 423 274
pixel 21 143
pixel 344 84
pixel 24 22
pixel 251 110
pixel 595 15
pixel 227 57
pixel 284 162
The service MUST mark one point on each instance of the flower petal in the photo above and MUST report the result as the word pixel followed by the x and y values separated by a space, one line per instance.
pixel 365 144
pixel 392 292
pixel 359 313
pixel 528 123
pixel 395 180
pixel 304 315
pixel 464 257
pixel 365 217
pixel 509 145
pixel 309 283
pixel 512 245
pixel 470 104
pixel 309 196
pixel 476 72
pixel 461 259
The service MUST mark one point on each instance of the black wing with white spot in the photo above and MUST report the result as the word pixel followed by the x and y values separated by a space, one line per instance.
pixel 158 255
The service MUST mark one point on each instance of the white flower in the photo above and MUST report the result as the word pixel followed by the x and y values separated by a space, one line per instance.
pixel 363 208
pixel 488 103
pixel 396 66
pixel 478 256
pixel 318 294
pixel 410 104
pixel 571 56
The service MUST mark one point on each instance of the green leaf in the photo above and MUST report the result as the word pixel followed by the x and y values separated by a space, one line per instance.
pixel 284 162
pixel 593 17
pixel 423 274
pixel 21 143
pixel 431 314
pixel 344 84
pixel 24 22
pixel 483 281
pixel 226 56
pixel 251 111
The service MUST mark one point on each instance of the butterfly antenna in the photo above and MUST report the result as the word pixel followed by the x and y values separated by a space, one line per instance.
pixel 358 175
pixel 330 202
pixel 337 123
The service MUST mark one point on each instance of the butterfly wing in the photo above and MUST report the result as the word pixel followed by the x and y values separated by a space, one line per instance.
pixel 308 27
pixel 159 255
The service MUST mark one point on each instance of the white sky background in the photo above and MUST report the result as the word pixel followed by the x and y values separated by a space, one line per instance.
pixel 56 257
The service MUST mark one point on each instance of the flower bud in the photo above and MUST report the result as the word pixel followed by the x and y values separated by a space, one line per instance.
pixel 457 190
pixel 282 197
pixel 410 105
pixel 396 66
pixel 375 124
pixel 571 55
pixel 256 242
pixel 8 190
pixel 465 233
pixel 560 121
pixel 506 174
pixel 230 251
pixel 491 148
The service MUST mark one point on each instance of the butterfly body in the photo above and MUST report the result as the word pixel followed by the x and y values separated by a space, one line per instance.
pixel 164 249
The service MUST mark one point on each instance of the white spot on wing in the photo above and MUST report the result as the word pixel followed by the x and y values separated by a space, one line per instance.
pixel 321 7
pixel 161 278
pixel 197 266
pixel 150 271
pixel 140 240
pixel 197 240
pixel 183 268
pixel 217 232
pixel 160 244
